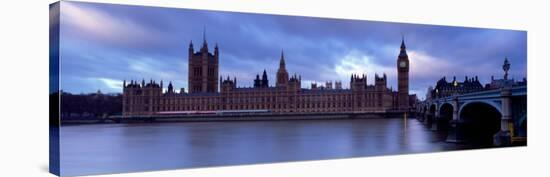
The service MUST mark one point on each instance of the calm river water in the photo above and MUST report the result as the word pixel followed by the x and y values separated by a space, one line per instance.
pixel 115 148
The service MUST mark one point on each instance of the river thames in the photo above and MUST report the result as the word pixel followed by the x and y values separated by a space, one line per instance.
pixel 116 148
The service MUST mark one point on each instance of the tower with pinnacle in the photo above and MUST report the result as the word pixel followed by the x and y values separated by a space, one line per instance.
pixel 403 78
pixel 282 74
pixel 203 68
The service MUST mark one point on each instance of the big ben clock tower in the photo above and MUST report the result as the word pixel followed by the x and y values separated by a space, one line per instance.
pixel 403 78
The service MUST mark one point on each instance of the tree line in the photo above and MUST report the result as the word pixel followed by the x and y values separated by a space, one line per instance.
pixel 92 105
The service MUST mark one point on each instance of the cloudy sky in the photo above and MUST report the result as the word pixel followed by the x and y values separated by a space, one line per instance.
pixel 102 44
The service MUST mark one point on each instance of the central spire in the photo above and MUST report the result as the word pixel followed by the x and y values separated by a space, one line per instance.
pixel 282 75
pixel 204 34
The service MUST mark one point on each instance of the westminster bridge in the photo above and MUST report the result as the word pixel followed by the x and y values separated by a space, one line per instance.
pixel 497 117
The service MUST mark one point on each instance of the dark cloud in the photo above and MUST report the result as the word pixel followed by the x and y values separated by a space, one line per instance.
pixel 102 44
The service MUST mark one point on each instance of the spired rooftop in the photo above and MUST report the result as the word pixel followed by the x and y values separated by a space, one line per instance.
pixel 286 96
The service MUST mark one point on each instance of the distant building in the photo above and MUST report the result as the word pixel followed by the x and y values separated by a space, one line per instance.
pixel 472 84
pixel 429 93
pixel 286 96
pixel 413 101
pixel 445 89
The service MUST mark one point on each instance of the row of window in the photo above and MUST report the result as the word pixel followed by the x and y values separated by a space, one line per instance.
pixel 369 99
pixel 243 100
pixel 145 110
pixel 197 71
pixel 322 105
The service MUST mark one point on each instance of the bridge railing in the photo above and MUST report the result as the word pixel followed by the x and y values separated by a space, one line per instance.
pixel 519 90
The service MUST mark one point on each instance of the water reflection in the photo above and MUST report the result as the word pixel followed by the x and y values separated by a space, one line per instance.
pixel 113 148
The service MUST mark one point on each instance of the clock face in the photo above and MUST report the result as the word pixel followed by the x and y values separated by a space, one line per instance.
pixel 403 64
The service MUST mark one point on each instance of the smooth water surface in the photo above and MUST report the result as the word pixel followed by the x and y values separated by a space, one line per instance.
pixel 116 148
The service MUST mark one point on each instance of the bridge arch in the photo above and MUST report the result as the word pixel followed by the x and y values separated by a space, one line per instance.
pixel 480 121
pixel 493 104
pixel 445 116
pixel 431 112
pixel 422 112
pixel 424 107
pixel 425 110
pixel 446 104
pixel 433 108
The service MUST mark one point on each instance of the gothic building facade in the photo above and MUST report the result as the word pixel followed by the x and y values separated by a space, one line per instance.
pixel 287 95
pixel 444 88
pixel 203 69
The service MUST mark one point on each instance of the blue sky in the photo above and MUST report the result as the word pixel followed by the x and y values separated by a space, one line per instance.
pixel 103 44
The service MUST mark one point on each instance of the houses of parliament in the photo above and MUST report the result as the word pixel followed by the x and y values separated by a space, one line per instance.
pixel 209 92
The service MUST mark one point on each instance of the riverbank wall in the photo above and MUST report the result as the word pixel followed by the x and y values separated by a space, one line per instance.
pixel 234 117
